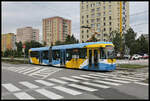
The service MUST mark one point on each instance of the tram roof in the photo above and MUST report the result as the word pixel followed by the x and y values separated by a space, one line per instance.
pixel 69 46
pixel 79 45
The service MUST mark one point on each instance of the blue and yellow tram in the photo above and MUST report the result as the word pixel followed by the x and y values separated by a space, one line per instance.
pixel 90 56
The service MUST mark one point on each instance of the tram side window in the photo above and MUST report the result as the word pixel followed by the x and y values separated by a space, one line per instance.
pixel 45 54
pixel 56 54
pixel 69 54
pixel 34 54
pixel 82 53
pixel 102 53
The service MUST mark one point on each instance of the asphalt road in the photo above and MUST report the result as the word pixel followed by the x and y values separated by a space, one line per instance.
pixel 26 81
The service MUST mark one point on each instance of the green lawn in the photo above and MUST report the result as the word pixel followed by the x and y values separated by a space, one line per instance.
pixel 15 61
pixel 132 66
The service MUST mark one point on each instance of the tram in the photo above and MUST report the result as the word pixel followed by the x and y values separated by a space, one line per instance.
pixel 98 56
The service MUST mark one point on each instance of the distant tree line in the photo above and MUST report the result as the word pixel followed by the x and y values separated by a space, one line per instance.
pixel 34 44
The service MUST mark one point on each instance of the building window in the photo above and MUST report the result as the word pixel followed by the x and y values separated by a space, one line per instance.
pixel 92 21
pixel 104 29
pixel 104 23
pixel 104 13
pixel 104 7
pixel 109 12
pixel 87 31
pixel 92 10
pixel 98 14
pixel 98 9
pixel 87 16
pixel 109 17
pixel 82 36
pixel 104 19
pixel 98 25
pixel 82 31
pixel 109 6
pixel 98 30
pixel 92 25
pixel 98 19
pixel 87 21
pixel 110 29
pixel 92 15
pixel 87 36
pixel 110 23
pixel 86 6
pixel 82 17
pixel 97 3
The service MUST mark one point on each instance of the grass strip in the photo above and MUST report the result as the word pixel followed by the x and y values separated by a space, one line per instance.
pixel 132 66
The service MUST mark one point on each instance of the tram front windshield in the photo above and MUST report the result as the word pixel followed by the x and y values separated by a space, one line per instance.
pixel 109 51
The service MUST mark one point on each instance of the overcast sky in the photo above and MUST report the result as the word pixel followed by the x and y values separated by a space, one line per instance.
pixel 21 14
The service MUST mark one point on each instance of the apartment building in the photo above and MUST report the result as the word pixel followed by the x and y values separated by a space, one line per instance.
pixel 54 29
pixel 8 41
pixel 27 34
pixel 103 17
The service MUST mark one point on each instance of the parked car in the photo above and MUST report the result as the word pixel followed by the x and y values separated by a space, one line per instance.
pixel 127 56
pixel 145 56
pixel 136 57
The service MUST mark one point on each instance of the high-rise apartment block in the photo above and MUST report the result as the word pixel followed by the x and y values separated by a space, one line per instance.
pixel 8 41
pixel 55 29
pixel 103 17
pixel 27 34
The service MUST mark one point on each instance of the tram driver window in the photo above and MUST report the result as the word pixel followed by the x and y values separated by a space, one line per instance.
pixel 34 54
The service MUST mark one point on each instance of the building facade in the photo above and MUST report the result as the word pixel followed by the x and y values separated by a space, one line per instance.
pixel 55 29
pixel 8 41
pixel 103 17
pixel 27 34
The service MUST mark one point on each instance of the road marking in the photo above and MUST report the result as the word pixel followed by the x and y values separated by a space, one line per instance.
pixel 132 77
pixel 28 84
pixel 141 83
pixel 77 77
pixel 82 87
pixel 58 81
pixel 88 76
pixel 69 79
pixel 49 94
pixel 10 87
pixel 105 74
pixel 120 81
pixel 20 68
pixel 67 90
pixel 109 83
pixel 25 70
pixel 98 75
pixel 122 78
pixel 34 69
pixel 23 95
pixel 96 85
pixel 44 82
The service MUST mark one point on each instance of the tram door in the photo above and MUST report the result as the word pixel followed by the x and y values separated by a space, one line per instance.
pixel 62 57
pixel 93 58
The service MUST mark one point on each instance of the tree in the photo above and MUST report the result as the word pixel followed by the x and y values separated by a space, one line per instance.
pixel 59 43
pixel 142 45
pixel 31 44
pixel 71 40
pixel 130 40
pixel 116 40
pixel 19 48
